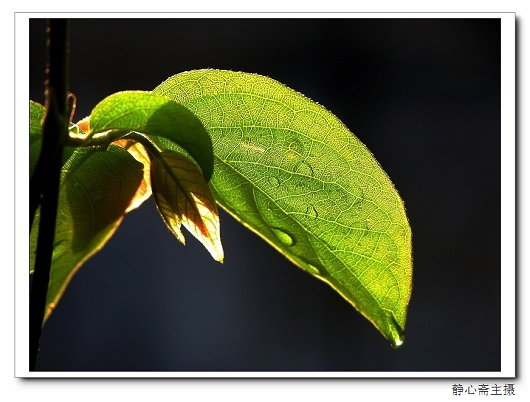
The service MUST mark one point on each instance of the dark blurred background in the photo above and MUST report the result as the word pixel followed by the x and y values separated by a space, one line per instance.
pixel 422 94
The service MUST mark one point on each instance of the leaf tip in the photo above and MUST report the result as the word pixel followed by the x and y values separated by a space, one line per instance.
pixel 214 247
pixel 397 333
pixel 178 234
pixel 219 256
pixel 398 342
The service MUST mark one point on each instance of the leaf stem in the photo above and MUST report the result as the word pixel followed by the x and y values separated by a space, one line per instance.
pixel 44 185
pixel 145 141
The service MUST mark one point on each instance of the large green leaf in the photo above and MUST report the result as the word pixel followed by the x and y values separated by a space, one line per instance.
pixel 290 171
pixel 96 189
pixel 157 116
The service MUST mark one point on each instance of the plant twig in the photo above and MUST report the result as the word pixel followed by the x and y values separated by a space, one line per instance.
pixel 44 185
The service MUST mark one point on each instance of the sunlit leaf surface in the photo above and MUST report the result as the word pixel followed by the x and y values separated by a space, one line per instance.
pixel 293 173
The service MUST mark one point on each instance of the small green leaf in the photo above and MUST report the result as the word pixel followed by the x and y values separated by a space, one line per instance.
pixel 182 196
pixel 289 170
pixel 96 189
pixel 158 116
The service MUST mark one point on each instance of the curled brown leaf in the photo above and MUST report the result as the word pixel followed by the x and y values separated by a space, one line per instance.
pixel 183 197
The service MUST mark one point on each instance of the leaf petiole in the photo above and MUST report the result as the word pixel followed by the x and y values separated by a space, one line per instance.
pixel 145 141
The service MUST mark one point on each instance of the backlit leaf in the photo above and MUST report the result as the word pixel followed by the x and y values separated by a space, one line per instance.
pixel 182 196
pixel 289 170
pixel 96 189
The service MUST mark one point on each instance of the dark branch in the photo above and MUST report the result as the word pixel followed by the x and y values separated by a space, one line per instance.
pixel 44 185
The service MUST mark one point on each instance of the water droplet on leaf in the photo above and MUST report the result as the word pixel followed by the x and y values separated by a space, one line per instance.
pixel 283 236
pixel 273 181
pixel 398 335
pixel 311 268
pixel 398 342
pixel 305 169
pixel 295 146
